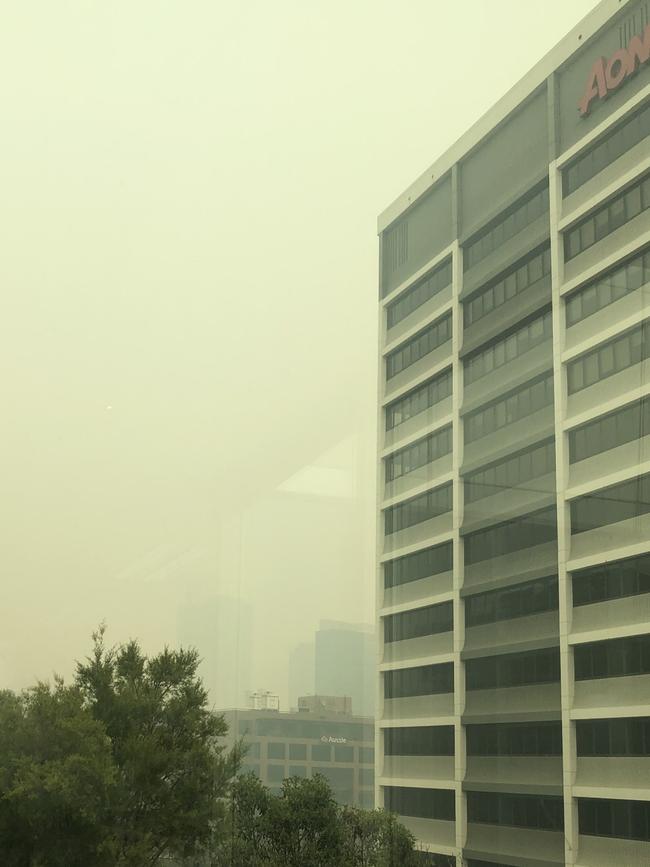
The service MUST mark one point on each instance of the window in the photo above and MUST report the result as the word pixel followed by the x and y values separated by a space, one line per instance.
pixel 343 754
pixel 527 272
pixel 430 620
pixel 607 218
pixel 275 773
pixel 366 776
pixel 617 354
pixel 515 739
pixel 339 778
pixel 417 455
pixel 419 400
pixel 367 755
pixel 613 580
pixel 252 750
pixel 277 727
pixel 545 812
pixel 631 422
pixel 506 226
pixel 533 462
pixel 519 403
pixel 506 349
pixel 275 751
pixel 629 820
pixel 422 564
pixel 419 741
pixel 415 296
pixel 615 657
pixel 608 148
pixel 629 499
pixel 421 803
pixel 298 752
pixel 506 603
pixel 421 680
pixel 297 771
pixel 321 753
pixel 627 736
pixel 250 768
pixel 518 534
pixel 418 346
pixel 608 288
pixel 425 506
pixel 513 669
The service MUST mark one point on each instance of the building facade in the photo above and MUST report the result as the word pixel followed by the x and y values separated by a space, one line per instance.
pixel 337 745
pixel 513 579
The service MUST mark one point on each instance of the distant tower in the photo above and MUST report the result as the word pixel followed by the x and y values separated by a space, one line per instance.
pixel 344 663
pixel 301 672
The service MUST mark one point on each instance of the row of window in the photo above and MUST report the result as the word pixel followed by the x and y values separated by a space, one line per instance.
pixel 629 820
pixel 418 346
pixel 419 741
pixel 429 620
pixel 512 407
pixel 614 580
pixel 513 471
pixel 419 454
pixel 421 564
pixel 418 294
pixel 608 288
pixel 506 226
pixel 518 534
pixel 278 727
pixel 614 657
pixel 421 508
pixel 611 357
pixel 620 502
pixel 506 349
pixel 622 138
pixel 630 423
pixel 319 752
pixel 543 812
pixel 421 680
pixel 506 603
pixel 607 218
pixel 629 736
pixel 515 739
pixel 528 272
pixel 421 803
pixel 513 669
pixel 419 399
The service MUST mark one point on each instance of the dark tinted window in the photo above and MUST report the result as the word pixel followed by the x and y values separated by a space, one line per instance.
pixel 515 739
pixel 515 470
pixel 626 736
pixel 608 148
pixel 528 531
pixel 608 431
pixel 419 400
pixel 610 505
pixel 506 349
pixel 417 509
pixel 422 564
pixel 616 657
pixel 421 803
pixel 417 347
pixel 604 220
pixel 419 454
pixel 517 404
pixel 421 680
pixel 429 620
pixel 609 358
pixel 608 288
pixel 518 600
pixel 513 669
pixel 613 580
pixel 519 811
pixel 616 818
pixel 419 741
pixel 421 291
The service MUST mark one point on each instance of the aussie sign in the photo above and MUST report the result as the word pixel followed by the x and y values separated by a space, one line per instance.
pixel 607 76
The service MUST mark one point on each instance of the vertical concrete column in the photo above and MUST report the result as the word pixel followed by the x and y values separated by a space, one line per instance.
pixel 379 584
pixel 563 522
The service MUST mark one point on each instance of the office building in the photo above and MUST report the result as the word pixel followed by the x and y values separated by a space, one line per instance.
pixel 315 740
pixel 345 662
pixel 514 470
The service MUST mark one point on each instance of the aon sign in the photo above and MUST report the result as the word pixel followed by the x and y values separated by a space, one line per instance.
pixel 608 75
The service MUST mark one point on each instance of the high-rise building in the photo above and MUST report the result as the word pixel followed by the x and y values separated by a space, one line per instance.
pixel 301 672
pixel 514 471
pixel 345 661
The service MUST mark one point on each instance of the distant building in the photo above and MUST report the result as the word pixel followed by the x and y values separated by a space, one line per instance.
pixel 345 660
pixel 264 700
pixel 301 672
pixel 325 704
pixel 338 746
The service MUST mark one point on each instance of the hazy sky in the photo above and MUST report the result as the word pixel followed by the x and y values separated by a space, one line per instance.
pixel 188 279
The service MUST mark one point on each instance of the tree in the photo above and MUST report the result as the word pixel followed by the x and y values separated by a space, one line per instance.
pixel 303 826
pixel 56 779
pixel 171 771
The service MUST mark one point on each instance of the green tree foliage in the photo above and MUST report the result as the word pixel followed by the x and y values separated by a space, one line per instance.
pixel 303 826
